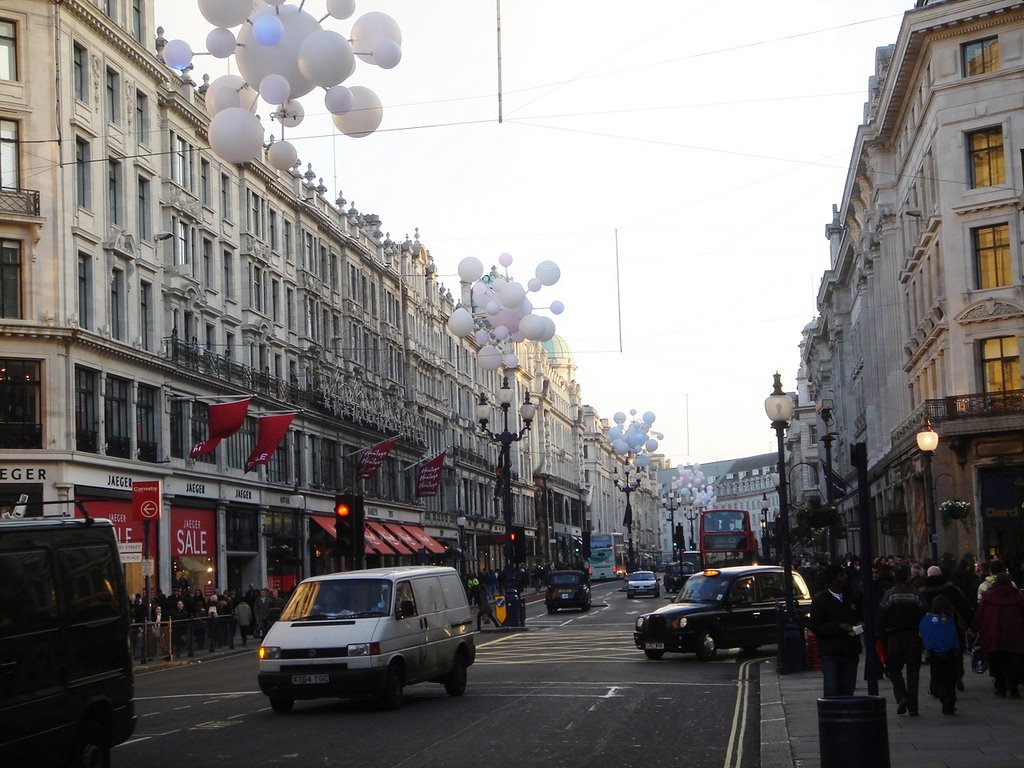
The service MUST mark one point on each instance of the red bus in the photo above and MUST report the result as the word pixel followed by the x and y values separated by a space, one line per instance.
pixel 726 538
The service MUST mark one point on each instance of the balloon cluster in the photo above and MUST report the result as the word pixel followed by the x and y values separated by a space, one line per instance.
pixel 283 53
pixel 693 488
pixel 634 438
pixel 504 313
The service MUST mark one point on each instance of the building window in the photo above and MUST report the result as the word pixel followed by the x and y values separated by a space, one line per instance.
pixel 113 85
pixel 181 161
pixel 115 412
pixel 225 196
pixel 256 211
pixel 183 243
pixel 117 304
pixel 1000 362
pixel 82 177
pixel 10 279
pixel 8 51
pixel 145 424
pixel 207 263
pixel 986 157
pixel 141 117
pixel 20 388
pixel 144 224
pixel 257 288
pixel 145 313
pixel 137 20
pixel 80 72
pixel 115 192
pixel 10 175
pixel 287 247
pixel 205 194
pixel 981 56
pixel 229 275
pixel 289 294
pixel 992 256
pixel 84 290
pixel 86 410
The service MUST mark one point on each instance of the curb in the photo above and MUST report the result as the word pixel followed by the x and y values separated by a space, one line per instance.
pixel 776 751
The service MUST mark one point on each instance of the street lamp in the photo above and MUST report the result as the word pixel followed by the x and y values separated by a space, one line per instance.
pixel 634 442
pixel 671 502
pixel 627 486
pixel 505 439
pixel 764 526
pixel 779 407
pixel 927 442
pixel 461 522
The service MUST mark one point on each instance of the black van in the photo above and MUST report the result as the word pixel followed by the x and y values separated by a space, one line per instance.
pixel 66 691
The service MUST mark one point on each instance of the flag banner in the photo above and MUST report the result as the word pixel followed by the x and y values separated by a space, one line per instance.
pixel 627 520
pixel 270 431
pixel 428 478
pixel 373 457
pixel 225 420
pixel 839 485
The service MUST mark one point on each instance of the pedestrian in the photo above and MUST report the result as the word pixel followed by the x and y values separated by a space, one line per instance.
pixel 483 609
pixel 260 610
pixel 936 583
pixel 941 647
pixel 899 618
pixel 999 622
pixel 180 620
pixel 243 615
pixel 836 621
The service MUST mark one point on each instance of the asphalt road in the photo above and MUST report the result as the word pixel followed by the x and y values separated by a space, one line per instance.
pixel 571 692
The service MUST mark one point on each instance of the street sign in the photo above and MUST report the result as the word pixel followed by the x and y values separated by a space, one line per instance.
pixel 131 557
pixel 129 547
pixel 147 567
pixel 146 499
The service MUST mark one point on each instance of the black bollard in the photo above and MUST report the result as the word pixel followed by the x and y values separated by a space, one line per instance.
pixel 852 732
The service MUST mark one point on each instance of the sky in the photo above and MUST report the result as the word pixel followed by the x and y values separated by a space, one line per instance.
pixel 678 160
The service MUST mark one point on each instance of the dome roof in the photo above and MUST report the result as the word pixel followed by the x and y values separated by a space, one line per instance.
pixel 557 349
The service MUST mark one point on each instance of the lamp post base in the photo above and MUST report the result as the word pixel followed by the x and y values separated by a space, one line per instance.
pixel 791 654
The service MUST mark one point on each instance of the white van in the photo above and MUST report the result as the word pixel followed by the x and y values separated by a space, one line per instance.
pixel 369 632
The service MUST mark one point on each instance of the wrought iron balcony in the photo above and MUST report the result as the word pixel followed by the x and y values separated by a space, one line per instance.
pixel 976 407
pixel 19 202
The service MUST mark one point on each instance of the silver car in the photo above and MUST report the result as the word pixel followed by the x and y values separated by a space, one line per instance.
pixel 642 583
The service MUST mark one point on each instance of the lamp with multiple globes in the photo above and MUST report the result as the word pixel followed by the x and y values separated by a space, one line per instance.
pixel 634 442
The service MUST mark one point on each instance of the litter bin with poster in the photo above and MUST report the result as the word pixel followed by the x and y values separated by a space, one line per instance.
pixel 852 732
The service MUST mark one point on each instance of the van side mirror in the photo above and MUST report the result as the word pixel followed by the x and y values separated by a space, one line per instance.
pixel 406 608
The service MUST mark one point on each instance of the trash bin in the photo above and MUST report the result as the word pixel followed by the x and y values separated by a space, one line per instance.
pixel 852 732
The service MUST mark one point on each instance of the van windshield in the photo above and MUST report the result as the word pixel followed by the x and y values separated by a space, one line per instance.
pixel 344 598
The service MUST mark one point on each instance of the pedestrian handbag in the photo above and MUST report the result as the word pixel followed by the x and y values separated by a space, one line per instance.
pixel 978 661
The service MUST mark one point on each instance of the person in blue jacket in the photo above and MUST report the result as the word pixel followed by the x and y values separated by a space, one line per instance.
pixel 941 648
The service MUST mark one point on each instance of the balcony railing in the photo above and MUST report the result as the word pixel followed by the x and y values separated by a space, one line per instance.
pixel 978 405
pixel 19 202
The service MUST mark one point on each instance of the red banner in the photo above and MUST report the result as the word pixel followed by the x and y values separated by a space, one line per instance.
pixel 428 478
pixel 373 457
pixel 270 431
pixel 225 420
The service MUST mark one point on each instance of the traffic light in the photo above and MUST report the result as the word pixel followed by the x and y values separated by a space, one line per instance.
pixel 349 517
pixel 517 535
pixel 679 539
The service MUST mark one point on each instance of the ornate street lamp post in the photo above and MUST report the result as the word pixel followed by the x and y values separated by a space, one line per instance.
pixel 692 514
pixel 634 442
pixel 927 442
pixel 779 407
pixel 764 527
pixel 627 486
pixel 461 522
pixel 671 502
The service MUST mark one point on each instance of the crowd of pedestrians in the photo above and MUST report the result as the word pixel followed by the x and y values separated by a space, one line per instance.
pixel 925 614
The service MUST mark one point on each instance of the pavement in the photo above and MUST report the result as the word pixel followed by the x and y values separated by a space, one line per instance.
pixel 985 732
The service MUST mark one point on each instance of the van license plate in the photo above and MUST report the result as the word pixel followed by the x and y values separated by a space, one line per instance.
pixel 654 646
pixel 310 679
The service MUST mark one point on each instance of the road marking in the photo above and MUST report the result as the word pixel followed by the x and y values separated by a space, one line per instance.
pixel 734 748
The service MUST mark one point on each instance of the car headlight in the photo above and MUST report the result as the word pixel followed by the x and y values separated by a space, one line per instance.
pixel 639 624
pixel 269 652
pixel 363 649
pixel 678 623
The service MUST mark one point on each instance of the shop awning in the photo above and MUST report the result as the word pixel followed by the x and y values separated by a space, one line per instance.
pixel 387 533
pixel 327 523
pixel 409 541
pixel 375 543
pixel 423 539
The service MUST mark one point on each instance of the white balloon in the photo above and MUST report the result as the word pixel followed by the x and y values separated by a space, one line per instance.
pixel 326 58
pixel 482 336
pixel 651 445
pixel 236 135
pixel 275 89
pixel 471 269
pixel 511 294
pixel 511 360
pixel 614 433
pixel 365 115
pixel 643 460
pixel 492 308
pixel 501 332
pixel 386 55
pixel 533 284
pixel 177 54
pixel 532 327
pixel 489 358
pixel 220 42
pixel 244 96
pixel 505 259
pixel 369 29
pixel 619 417
pixel 548 272
pixel 517 337
pixel 218 99
pixel 460 322
pixel 256 61
pixel 620 446
pixel 225 13
pixel 549 329
pixel 282 155
pixel 291 113
pixel 557 307
pixel 649 417
pixel 267 30
pixel 338 100
pixel 341 9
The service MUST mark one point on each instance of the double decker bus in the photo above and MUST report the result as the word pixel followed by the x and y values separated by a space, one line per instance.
pixel 606 555
pixel 726 538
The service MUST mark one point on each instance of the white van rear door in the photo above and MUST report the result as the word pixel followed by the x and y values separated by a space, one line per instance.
pixel 430 602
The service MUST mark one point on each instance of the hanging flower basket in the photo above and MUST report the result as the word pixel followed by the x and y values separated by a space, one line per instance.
pixel 955 509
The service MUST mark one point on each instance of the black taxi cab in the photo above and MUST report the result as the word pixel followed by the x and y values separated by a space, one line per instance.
pixel 733 607
pixel 567 589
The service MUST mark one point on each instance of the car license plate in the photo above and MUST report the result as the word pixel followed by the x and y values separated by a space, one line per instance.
pixel 566 595
pixel 310 679
pixel 654 646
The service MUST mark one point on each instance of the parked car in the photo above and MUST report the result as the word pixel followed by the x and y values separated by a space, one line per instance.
pixel 642 583
pixel 567 589
pixel 720 608
pixel 678 571
pixel 369 632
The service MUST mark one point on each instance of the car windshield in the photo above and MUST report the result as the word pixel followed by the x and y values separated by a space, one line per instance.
pixel 642 576
pixel 348 598
pixel 703 589
pixel 565 579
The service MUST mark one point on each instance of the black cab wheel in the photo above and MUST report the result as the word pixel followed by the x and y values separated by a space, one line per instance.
pixel 281 706
pixel 707 648
pixel 90 749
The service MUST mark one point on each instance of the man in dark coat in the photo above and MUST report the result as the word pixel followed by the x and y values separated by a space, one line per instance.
pixel 899 614
pixel 836 614
pixel 935 584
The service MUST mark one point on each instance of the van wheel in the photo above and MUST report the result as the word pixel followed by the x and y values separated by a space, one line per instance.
pixel 455 681
pixel 283 706
pixel 707 648
pixel 391 693
pixel 91 750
